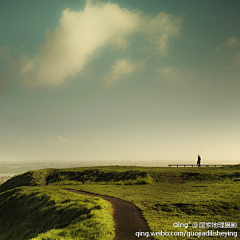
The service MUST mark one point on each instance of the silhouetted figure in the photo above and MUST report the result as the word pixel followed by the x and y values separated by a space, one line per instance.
pixel 198 160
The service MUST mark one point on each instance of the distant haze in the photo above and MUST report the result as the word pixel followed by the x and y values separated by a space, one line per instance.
pixel 120 82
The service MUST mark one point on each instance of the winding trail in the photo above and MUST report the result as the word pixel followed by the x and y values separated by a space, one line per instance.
pixel 128 218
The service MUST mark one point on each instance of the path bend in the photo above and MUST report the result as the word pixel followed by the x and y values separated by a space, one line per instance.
pixel 128 218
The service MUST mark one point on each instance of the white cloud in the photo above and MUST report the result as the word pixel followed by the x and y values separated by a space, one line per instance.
pixel 120 43
pixel 234 66
pixel 232 57
pixel 232 42
pixel 122 67
pixel 48 140
pixel 61 140
pixel 79 37
pixel 75 40
pixel 170 73
pixel 159 29
pixel 173 74
pixel 64 140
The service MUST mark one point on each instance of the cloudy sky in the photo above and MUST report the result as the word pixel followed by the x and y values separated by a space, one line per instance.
pixel 120 80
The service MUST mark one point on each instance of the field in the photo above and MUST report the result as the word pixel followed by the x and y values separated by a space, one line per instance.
pixel 164 195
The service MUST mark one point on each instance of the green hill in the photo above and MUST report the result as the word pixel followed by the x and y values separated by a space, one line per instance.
pixel 30 178
pixel 51 213
pixel 31 210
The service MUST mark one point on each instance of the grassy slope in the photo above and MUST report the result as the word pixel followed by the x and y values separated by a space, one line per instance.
pixel 175 194
pixel 51 213
pixel 30 178
pixel 101 175
pixel 180 194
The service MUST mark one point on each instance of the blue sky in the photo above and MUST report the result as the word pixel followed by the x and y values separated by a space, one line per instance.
pixel 120 80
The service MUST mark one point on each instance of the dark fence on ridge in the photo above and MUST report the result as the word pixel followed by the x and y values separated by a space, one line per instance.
pixel 193 165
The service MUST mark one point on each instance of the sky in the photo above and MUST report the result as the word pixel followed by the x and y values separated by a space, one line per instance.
pixel 120 80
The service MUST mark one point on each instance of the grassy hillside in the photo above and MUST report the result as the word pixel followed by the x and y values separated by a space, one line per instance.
pixel 123 175
pixel 144 175
pixel 164 195
pixel 30 178
pixel 100 176
pixel 184 195
pixel 49 213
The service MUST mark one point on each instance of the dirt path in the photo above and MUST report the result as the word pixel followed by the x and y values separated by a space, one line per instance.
pixel 128 218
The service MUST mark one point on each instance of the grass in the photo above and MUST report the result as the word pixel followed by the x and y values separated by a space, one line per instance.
pixel 100 176
pixel 179 195
pixel 164 195
pixel 30 178
pixel 47 213
pixel 164 204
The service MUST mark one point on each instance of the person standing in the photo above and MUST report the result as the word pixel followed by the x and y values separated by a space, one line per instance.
pixel 199 161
